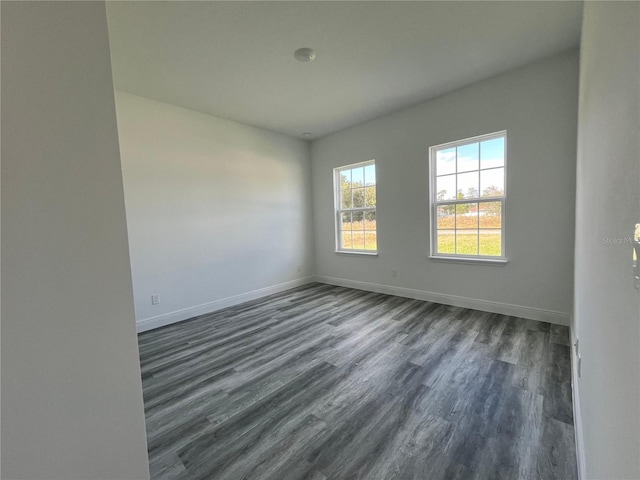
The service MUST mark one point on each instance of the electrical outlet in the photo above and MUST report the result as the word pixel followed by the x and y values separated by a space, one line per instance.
pixel 299 268
pixel 155 299
pixel 578 357
pixel 579 366
pixel 394 273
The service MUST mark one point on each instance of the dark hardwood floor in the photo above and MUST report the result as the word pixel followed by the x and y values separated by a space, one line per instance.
pixel 325 382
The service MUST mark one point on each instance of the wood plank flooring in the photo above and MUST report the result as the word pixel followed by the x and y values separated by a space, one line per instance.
pixel 325 382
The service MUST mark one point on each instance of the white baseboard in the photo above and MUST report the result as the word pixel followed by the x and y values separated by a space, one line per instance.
pixel 186 313
pixel 550 316
pixel 577 416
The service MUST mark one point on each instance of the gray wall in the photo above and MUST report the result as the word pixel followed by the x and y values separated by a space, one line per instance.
pixel 537 105
pixel 71 392
pixel 607 307
pixel 218 212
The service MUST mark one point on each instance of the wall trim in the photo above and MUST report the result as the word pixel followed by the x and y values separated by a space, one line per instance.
pixel 577 415
pixel 164 319
pixel 532 313
pixel 558 318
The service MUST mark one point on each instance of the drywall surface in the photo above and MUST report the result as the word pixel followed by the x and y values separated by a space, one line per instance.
pixel 537 105
pixel 607 307
pixel 71 392
pixel 218 212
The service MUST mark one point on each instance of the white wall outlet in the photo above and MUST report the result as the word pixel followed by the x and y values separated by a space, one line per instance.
pixel 155 299
pixel 299 268
pixel 394 273
pixel 579 366
pixel 576 347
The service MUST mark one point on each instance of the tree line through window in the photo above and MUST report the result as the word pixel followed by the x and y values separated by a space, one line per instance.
pixel 467 201
pixel 356 212
pixel 468 178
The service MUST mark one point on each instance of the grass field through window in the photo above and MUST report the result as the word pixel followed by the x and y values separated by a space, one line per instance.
pixel 470 243
pixel 470 233
pixel 360 235
pixel 468 196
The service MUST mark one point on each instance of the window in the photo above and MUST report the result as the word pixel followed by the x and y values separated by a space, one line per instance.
pixel 468 198
pixel 355 200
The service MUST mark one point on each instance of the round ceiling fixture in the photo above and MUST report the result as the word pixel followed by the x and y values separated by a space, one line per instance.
pixel 306 135
pixel 305 55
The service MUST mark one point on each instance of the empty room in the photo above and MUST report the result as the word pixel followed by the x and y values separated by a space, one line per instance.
pixel 320 240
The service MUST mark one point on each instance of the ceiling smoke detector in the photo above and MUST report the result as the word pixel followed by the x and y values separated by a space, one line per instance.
pixel 305 55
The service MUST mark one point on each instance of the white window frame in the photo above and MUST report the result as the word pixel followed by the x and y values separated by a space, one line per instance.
pixel 435 203
pixel 337 185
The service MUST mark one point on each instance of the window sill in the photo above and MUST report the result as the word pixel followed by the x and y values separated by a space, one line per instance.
pixel 497 262
pixel 347 252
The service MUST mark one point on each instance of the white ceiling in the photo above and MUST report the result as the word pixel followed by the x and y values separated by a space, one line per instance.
pixel 235 59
